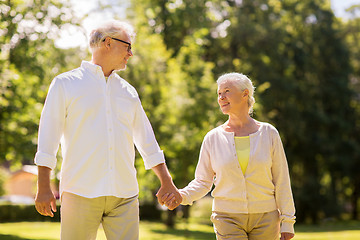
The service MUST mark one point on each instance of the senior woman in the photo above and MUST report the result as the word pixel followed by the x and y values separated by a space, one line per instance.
pixel 245 160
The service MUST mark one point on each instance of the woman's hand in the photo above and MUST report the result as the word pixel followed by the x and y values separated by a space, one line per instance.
pixel 286 236
pixel 170 201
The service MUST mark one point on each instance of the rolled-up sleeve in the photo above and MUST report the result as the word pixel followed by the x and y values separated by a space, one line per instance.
pixel 51 126
pixel 145 141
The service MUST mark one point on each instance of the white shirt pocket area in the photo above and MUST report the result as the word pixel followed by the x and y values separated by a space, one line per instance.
pixel 125 110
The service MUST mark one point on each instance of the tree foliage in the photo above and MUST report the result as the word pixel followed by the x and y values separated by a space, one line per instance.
pixel 351 180
pixel 173 90
pixel 297 57
pixel 28 62
pixel 304 62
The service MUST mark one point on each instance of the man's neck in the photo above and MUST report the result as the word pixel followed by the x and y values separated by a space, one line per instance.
pixel 107 72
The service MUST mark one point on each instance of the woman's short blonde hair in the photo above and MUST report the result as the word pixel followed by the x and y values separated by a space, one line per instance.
pixel 109 29
pixel 242 82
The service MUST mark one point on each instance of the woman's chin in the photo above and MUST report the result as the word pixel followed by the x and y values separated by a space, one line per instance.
pixel 224 111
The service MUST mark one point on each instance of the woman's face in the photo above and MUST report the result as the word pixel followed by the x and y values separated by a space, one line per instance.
pixel 231 99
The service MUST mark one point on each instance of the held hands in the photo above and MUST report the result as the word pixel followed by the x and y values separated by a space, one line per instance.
pixel 170 201
pixel 169 196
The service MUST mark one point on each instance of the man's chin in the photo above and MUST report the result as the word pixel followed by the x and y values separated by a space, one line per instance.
pixel 122 68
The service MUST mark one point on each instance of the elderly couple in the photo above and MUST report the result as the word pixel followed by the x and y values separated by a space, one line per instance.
pixel 97 117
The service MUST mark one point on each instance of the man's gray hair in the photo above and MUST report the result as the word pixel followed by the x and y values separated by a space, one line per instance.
pixel 109 29
pixel 242 82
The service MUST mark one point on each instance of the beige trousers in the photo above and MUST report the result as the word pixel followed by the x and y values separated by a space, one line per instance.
pixel 81 217
pixel 255 226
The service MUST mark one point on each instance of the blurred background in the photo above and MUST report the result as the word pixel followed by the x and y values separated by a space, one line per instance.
pixel 303 57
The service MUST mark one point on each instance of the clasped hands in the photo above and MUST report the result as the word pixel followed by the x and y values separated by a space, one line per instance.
pixel 171 198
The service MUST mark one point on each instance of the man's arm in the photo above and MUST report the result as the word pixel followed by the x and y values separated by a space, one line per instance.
pixel 167 186
pixel 45 202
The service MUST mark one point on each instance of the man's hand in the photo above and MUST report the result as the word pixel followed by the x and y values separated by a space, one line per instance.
pixel 170 197
pixel 45 203
pixel 286 236
pixel 170 201
pixel 167 187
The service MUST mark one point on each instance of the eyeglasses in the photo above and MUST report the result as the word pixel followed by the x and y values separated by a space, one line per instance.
pixel 129 44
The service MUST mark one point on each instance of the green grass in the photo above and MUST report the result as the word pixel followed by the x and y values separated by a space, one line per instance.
pixel 156 231
pixel 148 231
pixel 349 230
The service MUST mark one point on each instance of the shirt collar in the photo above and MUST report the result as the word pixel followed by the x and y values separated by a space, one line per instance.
pixel 91 67
pixel 96 69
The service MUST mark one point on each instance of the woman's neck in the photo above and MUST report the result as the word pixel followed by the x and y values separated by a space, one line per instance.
pixel 239 120
pixel 241 125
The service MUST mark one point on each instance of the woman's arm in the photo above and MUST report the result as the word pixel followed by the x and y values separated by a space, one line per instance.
pixel 204 177
pixel 281 179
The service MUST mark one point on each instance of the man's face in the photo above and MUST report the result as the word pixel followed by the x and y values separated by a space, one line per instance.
pixel 121 51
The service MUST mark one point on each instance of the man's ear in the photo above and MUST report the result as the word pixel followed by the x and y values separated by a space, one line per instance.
pixel 106 42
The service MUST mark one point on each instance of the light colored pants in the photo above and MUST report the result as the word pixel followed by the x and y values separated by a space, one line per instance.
pixel 255 226
pixel 81 217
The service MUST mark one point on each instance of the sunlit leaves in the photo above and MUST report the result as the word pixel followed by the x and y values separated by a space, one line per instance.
pixel 294 53
pixel 29 61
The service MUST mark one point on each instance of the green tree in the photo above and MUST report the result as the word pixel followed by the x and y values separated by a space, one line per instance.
pixel 175 20
pixel 146 71
pixel 4 174
pixel 178 93
pixel 28 62
pixel 299 62
pixel 351 32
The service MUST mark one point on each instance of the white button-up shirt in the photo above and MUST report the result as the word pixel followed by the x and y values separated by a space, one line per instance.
pixel 97 123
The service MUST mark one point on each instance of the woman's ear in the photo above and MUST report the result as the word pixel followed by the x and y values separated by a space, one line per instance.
pixel 246 93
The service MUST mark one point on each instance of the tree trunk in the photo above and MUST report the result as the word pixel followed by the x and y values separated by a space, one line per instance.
pixel 170 220
pixel 355 198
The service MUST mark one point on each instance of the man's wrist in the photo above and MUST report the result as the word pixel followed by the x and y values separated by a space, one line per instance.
pixel 166 180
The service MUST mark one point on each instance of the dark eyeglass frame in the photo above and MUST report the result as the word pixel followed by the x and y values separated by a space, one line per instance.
pixel 129 44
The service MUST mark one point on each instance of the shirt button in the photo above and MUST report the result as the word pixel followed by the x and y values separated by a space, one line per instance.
pixel 110 129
